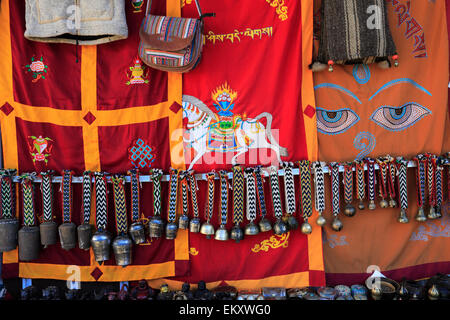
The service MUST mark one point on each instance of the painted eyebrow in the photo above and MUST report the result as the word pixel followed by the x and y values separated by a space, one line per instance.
pixel 337 87
pixel 399 81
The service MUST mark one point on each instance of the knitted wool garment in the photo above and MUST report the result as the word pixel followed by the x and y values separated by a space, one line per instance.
pixel 92 22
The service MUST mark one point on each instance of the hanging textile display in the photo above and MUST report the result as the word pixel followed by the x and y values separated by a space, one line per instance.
pixel 365 112
pixel 63 107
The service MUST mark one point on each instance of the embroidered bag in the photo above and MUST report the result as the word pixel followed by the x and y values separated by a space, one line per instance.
pixel 171 43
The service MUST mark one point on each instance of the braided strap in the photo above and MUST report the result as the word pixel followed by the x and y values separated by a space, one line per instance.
pixel 438 162
pixel 392 169
pixel 47 195
pixel 156 175
pixel 260 188
pixel 383 177
pixel 305 188
pixel 135 194
pixel 238 194
pixel 289 188
pixel 184 192
pixel 120 207
pixel 224 185
pixel 319 186
pixel 431 179
pixel 348 182
pixel 360 181
pixel 66 187
pixel 251 194
pixel 194 189
pixel 26 179
pixel 335 196
pixel 421 162
pixel 8 193
pixel 87 196
pixel 209 208
pixel 173 194
pixel 402 168
pixel 371 180
pixel 275 191
pixel 101 201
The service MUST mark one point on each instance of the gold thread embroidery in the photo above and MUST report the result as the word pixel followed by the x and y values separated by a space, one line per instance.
pixel 273 242
pixel 193 251
pixel 281 9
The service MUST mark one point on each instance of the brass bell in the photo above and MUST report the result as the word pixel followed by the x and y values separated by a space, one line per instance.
pixel 251 229
pixel 29 243
pixel 156 227
pixel 433 293
pixel 361 205
pixel 122 247
pixel 84 232
pixel 337 225
pixel 68 235
pixel 349 210
pixel 171 231
pixel 137 232
pixel 392 203
pixel 221 234
pixel 8 234
pixel 384 203
pixel 421 217
pixel 438 212
pixel 183 222
pixel 194 225
pixel 292 222
pixel 403 218
pixel 432 214
pixel 376 292
pixel 49 233
pixel 101 242
pixel 372 205
pixel 237 234
pixel 321 221
pixel 280 227
pixel 207 229
pixel 264 225
pixel 306 227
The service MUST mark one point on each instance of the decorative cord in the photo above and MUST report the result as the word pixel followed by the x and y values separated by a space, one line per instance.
pixel 184 192
pixel 360 181
pixel 335 197
pixel 382 173
pixel 209 208
pixel 305 188
pixel 135 194
pixel 194 189
pixel 173 193
pixel 260 188
pixel 8 193
pixel 289 188
pixel 238 194
pixel 87 196
pixel 47 195
pixel 26 179
pixel 431 179
pixel 319 186
pixel 251 194
pixel 421 162
pixel 438 163
pixel 224 185
pixel 392 169
pixel 402 167
pixel 120 207
pixel 101 201
pixel 156 175
pixel 275 191
pixel 371 180
pixel 66 188
pixel 348 182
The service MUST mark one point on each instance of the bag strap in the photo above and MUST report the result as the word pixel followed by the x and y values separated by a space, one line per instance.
pixel 199 10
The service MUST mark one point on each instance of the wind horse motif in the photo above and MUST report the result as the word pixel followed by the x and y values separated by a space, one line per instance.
pixel 224 131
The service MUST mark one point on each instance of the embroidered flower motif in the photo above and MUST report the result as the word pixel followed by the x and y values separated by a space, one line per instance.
pixel 38 68
pixel 40 149
pixel 139 74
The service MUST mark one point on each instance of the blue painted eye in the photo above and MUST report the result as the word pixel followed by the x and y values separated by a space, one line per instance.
pixel 399 118
pixel 335 121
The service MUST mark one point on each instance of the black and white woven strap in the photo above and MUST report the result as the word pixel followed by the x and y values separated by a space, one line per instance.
pixel 439 179
pixel 348 182
pixel 371 179
pixel 335 195
pixel 250 180
pixel 209 207
pixel 360 180
pixel 289 188
pixel 8 193
pixel 135 194
pixel 156 175
pixel 319 186
pixel 120 207
pixel 184 191
pixel 305 188
pixel 173 195
pixel 101 201
pixel 238 194
pixel 383 174
pixel 431 179
pixel 402 171
pixel 421 162
pixel 29 217
pixel 260 187
pixel 47 194
pixel 193 188
pixel 224 185
pixel 66 188
pixel 87 196
pixel 275 191
pixel 391 179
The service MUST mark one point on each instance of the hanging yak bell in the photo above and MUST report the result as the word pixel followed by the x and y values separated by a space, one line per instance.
pixel 68 235
pixel 403 218
pixel 207 229
pixel 194 225
pixel 421 217
pixel 291 222
pixel 306 228
pixel 321 221
pixel 349 210
pixel 171 231
pixel 29 243
pixel 122 247
pixel 49 233
pixel 156 227
pixel 337 225
pixel 237 234
pixel 84 232
pixel 251 229
pixel 221 234
pixel 137 232
pixel 280 227
pixel 8 234
pixel 100 243
pixel 265 225
pixel 183 222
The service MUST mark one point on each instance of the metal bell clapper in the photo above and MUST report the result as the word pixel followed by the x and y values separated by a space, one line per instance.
pixel 306 228
pixel 8 234
pixel 420 216
pixel 101 245
pixel 122 247
pixel 321 221
pixel 237 234
pixel 264 225
pixel 171 231
pixel 85 232
pixel 337 225
pixel 194 225
pixel 221 234
pixel 68 235
pixel 156 227
pixel 251 229
pixel 403 218
pixel 29 243
pixel 183 222
pixel 280 227
pixel 207 229
pixel 49 233
pixel 349 210
pixel 137 232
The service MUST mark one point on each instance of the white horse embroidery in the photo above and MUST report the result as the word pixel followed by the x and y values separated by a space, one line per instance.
pixel 201 120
